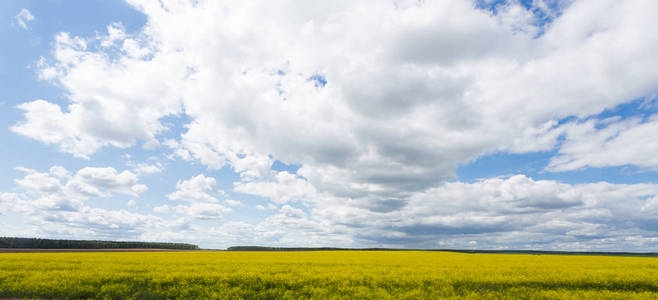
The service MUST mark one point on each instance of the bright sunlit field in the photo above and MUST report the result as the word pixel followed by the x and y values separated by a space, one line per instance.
pixel 326 274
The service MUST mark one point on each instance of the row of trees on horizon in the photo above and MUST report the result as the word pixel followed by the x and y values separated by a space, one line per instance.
pixel 36 243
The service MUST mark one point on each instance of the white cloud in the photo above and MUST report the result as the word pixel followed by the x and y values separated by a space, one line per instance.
pixel 117 111
pixel 232 202
pixel 97 223
pixel 45 122
pixel 94 180
pixel 410 91
pixel 607 143
pixel 515 212
pixel 59 190
pixel 23 18
pixel 197 188
pixel 200 193
pixel 7 201
pixel 59 172
pixel 144 168
pixel 115 32
pixel 282 187
pixel 203 211
pixel 41 182
pixel 163 209
pixel 196 210
pixel 58 204
pixel 9 197
pixel 378 102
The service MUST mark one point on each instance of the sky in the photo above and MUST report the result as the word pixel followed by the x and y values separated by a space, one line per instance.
pixel 413 124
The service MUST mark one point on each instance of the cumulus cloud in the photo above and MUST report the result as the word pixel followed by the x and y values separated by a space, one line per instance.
pixel 163 209
pixel 232 202
pixel 408 91
pixel 45 122
pixel 59 189
pixel 203 211
pixel 144 168
pixel 379 102
pixel 282 187
pixel 92 180
pixel 23 18
pixel 41 182
pixel 57 203
pixel 518 211
pixel 59 172
pixel 496 213
pixel 607 143
pixel 110 112
pixel 201 195
pixel 100 222
pixel 197 188
pixel 510 212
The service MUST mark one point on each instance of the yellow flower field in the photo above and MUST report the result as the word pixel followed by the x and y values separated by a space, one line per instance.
pixel 325 274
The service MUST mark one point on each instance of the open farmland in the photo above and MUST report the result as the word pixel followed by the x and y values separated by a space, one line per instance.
pixel 324 274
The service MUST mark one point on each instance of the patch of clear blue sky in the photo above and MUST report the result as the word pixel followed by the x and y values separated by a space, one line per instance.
pixel 641 108
pixel 543 18
pixel 528 4
pixel 319 80
pixel 280 166
pixel 533 164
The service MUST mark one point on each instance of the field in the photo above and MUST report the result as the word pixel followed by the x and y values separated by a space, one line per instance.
pixel 325 274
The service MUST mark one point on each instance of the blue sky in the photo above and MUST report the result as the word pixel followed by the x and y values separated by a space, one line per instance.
pixel 447 124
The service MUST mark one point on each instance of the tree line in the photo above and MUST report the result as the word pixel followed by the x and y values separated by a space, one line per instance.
pixel 35 243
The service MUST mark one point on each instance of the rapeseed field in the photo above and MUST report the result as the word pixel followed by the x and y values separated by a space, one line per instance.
pixel 325 275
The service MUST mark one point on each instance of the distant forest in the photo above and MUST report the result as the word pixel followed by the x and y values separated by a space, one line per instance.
pixel 33 243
